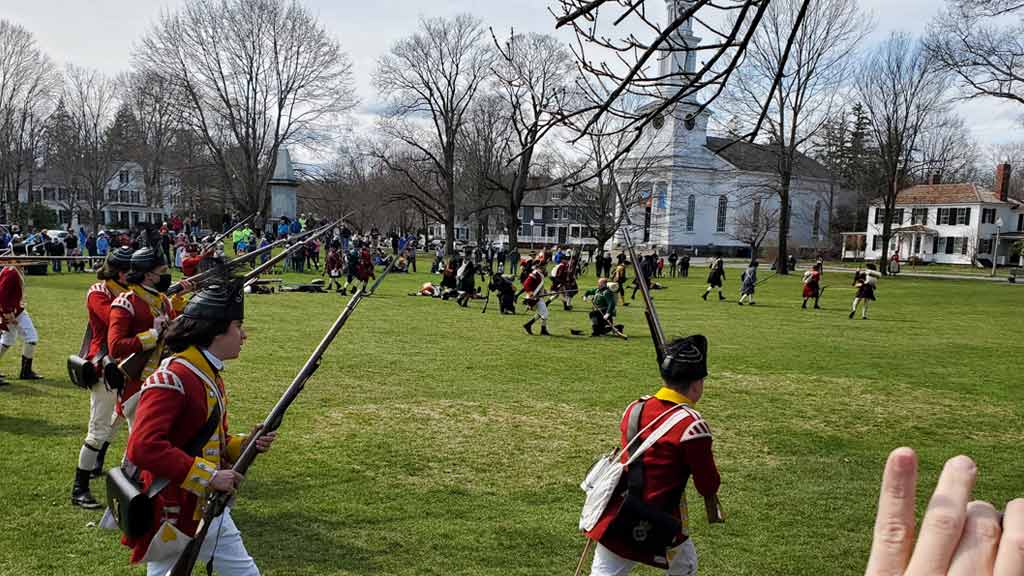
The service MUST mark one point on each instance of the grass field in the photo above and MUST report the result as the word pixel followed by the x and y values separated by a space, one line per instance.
pixel 437 440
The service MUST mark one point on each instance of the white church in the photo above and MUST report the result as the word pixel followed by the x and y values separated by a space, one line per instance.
pixel 701 194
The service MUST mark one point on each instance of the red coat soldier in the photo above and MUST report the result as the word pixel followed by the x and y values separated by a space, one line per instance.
pixel 102 398
pixel 653 528
pixel 137 317
pixel 16 322
pixel 533 286
pixel 176 405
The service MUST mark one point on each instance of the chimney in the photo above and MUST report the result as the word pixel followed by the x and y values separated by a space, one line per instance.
pixel 936 178
pixel 1002 180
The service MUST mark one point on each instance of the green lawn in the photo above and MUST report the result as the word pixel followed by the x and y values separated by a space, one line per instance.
pixel 437 440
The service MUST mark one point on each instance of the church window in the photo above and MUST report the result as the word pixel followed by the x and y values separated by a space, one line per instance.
pixel 691 208
pixel 723 207
pixel 662 196
pixel 817 220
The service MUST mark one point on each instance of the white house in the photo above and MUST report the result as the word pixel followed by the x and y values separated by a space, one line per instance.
pixel 125 201
pixel 949 223
pixel 702 189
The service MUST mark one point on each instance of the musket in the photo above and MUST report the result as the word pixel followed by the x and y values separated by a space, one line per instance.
pixel 216 240
pixel 770 276
pixel 254 275
pixel 216 502
pixel 712 505
pixel 135 363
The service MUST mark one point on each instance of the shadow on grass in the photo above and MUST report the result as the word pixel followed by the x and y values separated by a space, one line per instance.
pixel 33 427
pixel 290 540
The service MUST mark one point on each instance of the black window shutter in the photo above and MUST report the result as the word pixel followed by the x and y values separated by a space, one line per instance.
pixel 968 216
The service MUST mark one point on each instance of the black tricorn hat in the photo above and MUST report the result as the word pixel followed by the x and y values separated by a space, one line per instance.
pixel 120 259
pixel 146 259
pixel 686 359
pixel 217 302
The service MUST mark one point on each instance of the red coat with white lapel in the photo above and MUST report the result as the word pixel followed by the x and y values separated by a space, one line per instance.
pixel 130 330
pixel 668 464
pixel 534 282
pixel 175 402
pixel 101 295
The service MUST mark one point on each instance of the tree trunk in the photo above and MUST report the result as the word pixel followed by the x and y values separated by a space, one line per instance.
pixel 782 263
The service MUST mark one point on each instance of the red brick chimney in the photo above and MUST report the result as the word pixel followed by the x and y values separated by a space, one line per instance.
pixel 1002 181
pixel 936 178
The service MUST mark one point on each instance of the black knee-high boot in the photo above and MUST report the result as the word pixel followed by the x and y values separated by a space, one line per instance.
pixel 80 494
pixel 26 370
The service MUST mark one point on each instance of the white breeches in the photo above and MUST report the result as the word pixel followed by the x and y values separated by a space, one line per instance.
pixel 24 329
pixel 541 309
pixel 230 558
pixel 102 420
pixel 682 561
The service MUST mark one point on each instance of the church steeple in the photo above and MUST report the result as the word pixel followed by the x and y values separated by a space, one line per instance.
pixel 677 60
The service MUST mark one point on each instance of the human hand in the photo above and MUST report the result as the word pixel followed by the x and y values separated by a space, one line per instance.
pixel 159 322
pixel 226 481
pixel 263 442
pixel 958 536
pixel 186 286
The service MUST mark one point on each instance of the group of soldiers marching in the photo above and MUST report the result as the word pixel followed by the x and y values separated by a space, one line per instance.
pixel 179 447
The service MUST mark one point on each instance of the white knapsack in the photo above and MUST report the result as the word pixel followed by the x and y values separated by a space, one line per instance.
pixel 603 477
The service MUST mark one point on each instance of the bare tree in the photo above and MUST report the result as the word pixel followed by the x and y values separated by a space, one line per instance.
pixel 981 46
pixel 800 103
pixel 752 226
pixel 156 105
pixel 79 141
pixel 28 85
pixel 608 83
pixel 429 81
pixel 254 75
pixel 532 74
pixel 903 92
pixel 948 151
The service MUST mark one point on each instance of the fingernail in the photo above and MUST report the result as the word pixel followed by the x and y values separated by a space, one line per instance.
pixel 903 459
pixel 963 464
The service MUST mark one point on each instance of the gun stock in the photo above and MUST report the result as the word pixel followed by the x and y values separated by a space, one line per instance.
pixel 216 502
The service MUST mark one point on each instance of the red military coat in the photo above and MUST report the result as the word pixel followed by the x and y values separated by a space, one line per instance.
pixel 12 292
pixel 190 265
pixel 101 295
pixel 174 404
pixel 131 331
pixel 365 269
pixel 682 452
pixel 534 282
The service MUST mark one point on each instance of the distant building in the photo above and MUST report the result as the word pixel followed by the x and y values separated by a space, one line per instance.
pixel 697 186
pixel 125 198
pixel 283 188
pixel 947 223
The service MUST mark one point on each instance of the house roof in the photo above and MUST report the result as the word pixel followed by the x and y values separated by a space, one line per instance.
pixel 916 229
pixel 949 194
pixel 760 158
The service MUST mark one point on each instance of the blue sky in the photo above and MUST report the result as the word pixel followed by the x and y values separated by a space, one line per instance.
pixel 100 34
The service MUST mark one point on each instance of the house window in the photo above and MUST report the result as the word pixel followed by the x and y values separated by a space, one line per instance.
pixel 1020 223
pixel 917 244
pixel 876 243
pixel 111 195
pixel 963 245
pixel 985 246
pixel 691 208
pixel 136 197
pixel 556 195
pixel 817 220
pixel 935 244
pixel 988 215
pixel 897 216
pixel 919 216
pixel 556 213
pixel 963 216
pixel 123 177
pixel 538 212
pixel 525 230
pixel 723 208
pixel 49 195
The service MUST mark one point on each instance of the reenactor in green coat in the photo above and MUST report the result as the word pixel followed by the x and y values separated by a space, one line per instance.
pixel 602 317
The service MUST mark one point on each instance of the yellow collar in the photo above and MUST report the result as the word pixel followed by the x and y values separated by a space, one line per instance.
pixel 151 297
pixel 194 356
pixel 115 288
pixel 669 395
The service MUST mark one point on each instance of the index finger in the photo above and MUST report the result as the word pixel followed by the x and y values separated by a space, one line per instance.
pixel 894 523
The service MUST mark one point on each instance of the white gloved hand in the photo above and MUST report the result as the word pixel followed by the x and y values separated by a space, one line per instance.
pixel 158 323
